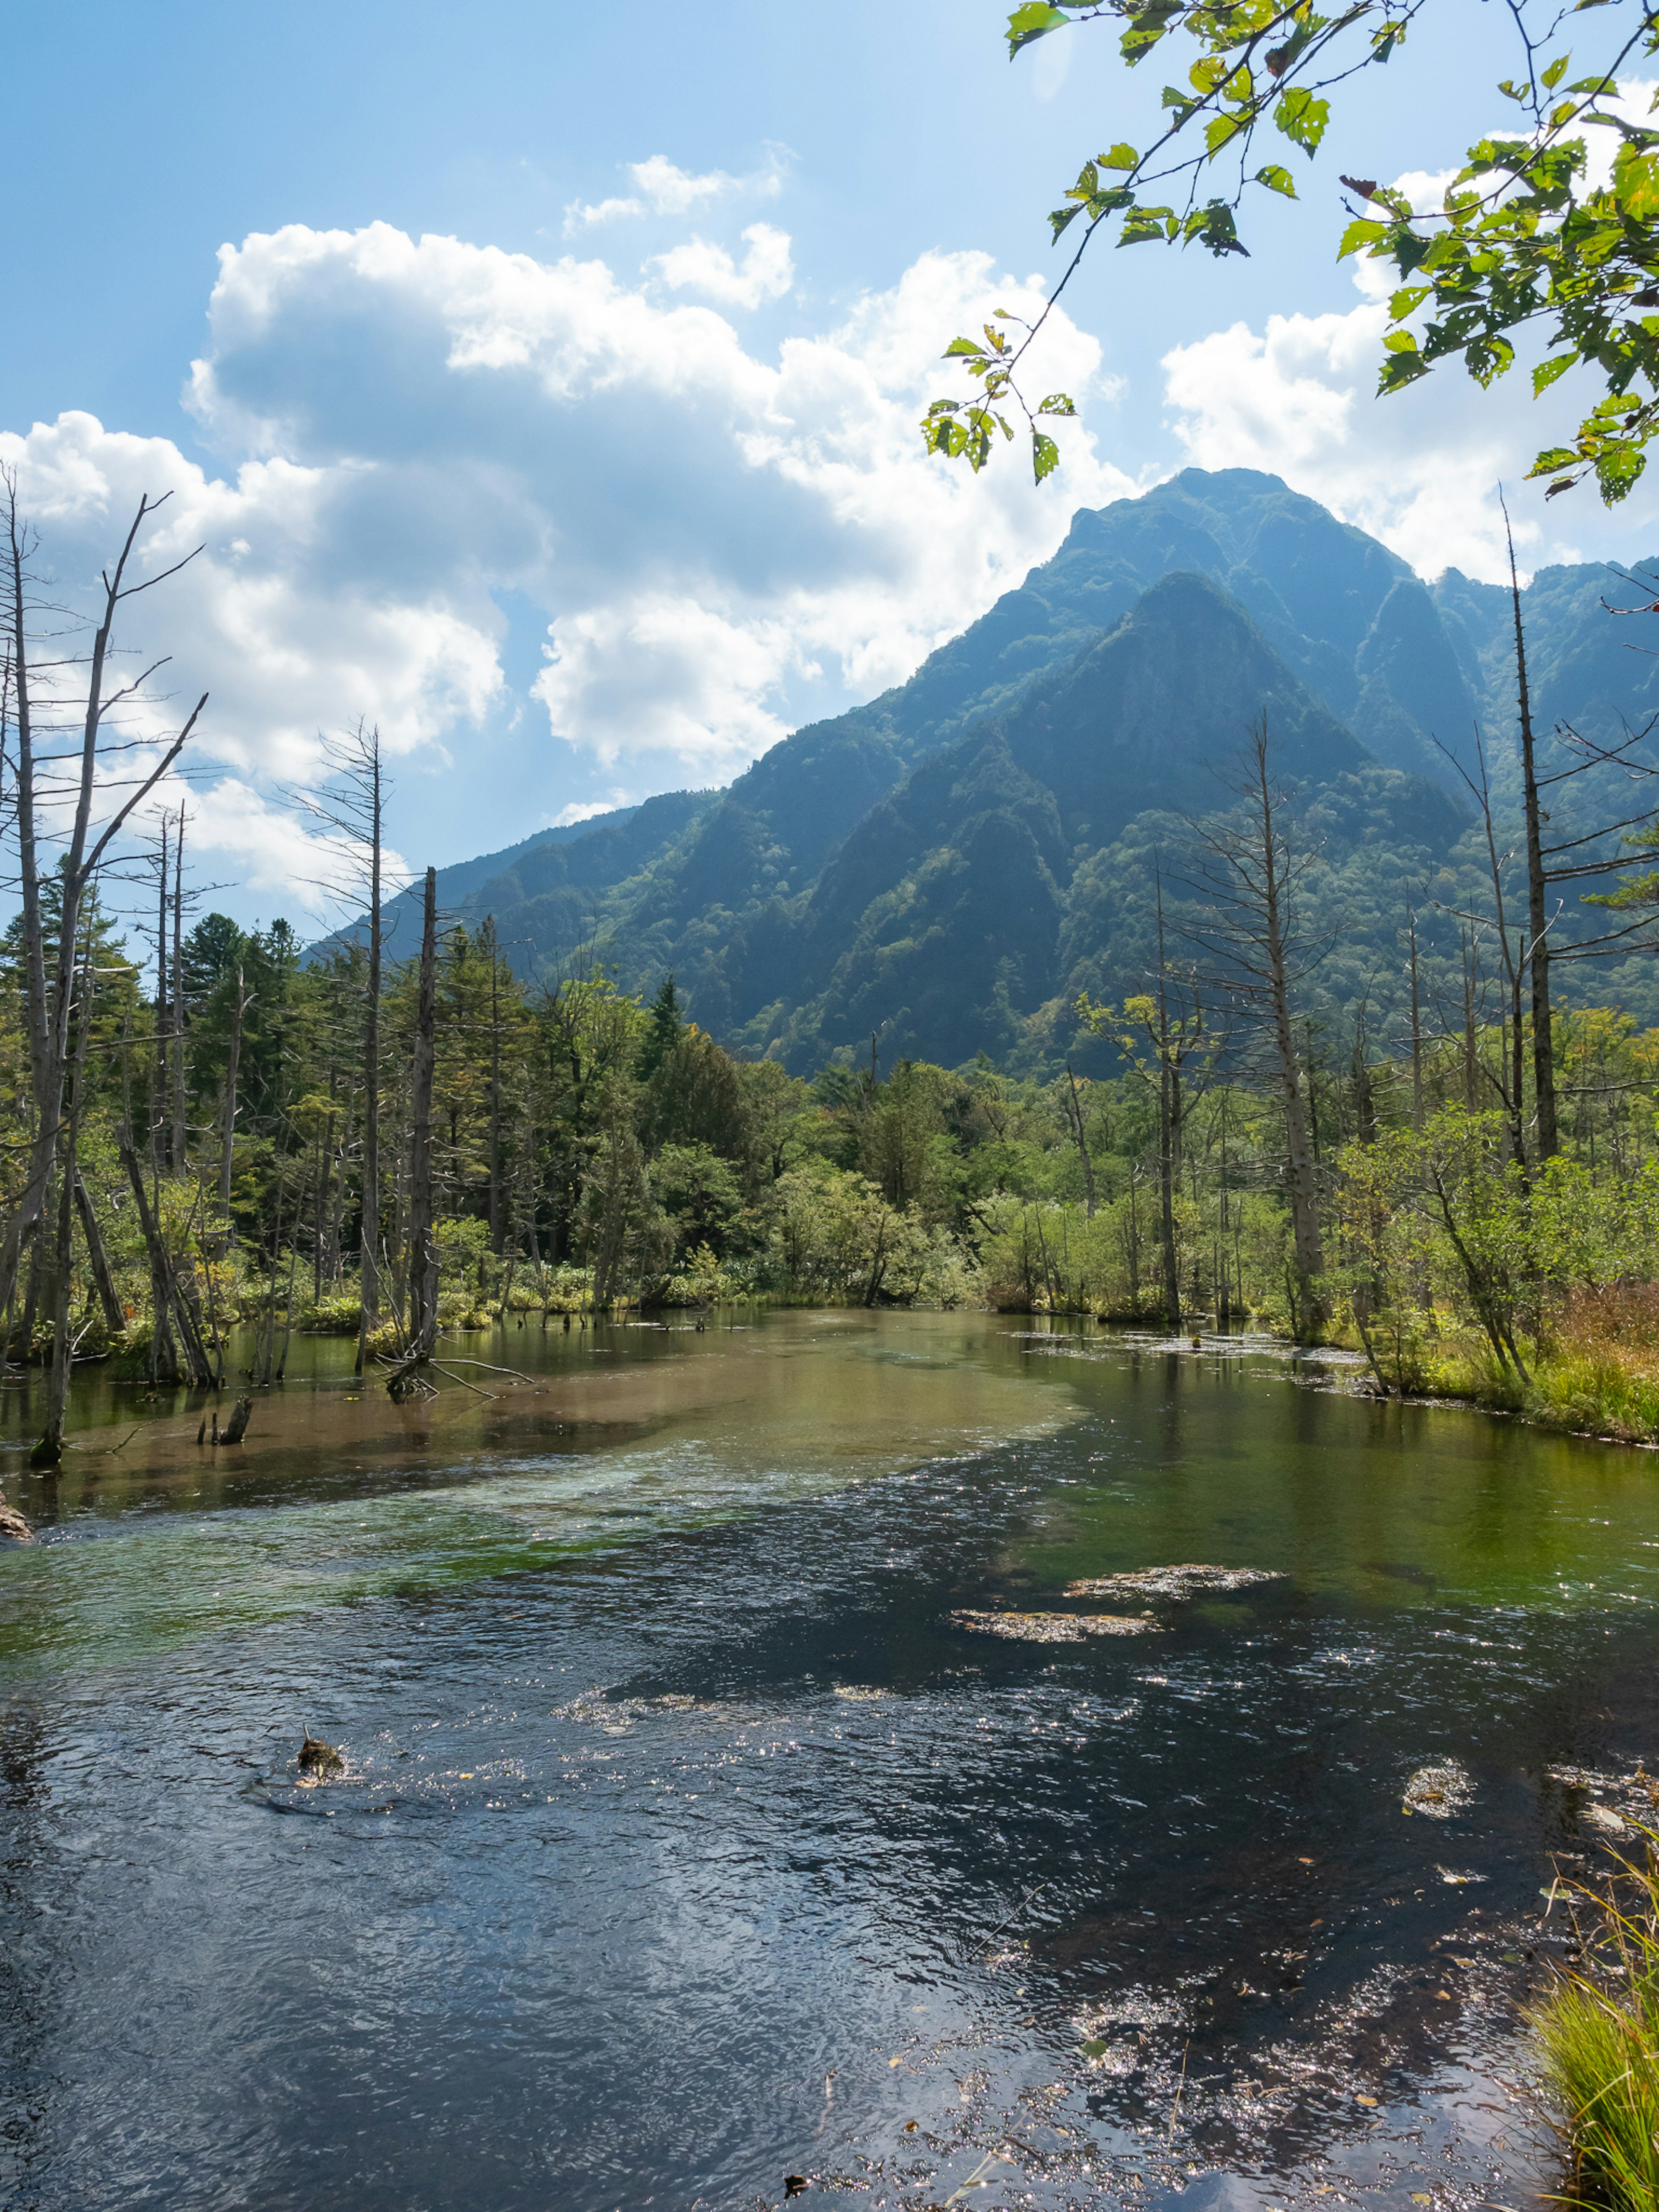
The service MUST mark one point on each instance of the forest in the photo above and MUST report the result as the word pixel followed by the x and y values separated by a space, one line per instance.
pixel 218 1138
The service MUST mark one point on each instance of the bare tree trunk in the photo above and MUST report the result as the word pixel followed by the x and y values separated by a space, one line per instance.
pixel 1082 1146
pixel 495 1097
pixel 1169 1133
pixel 115 1318
pixel 49 1451
pixel 171 1308
pixel 1303 1190
pixel 1543 1041
pixel 159 1091
pixel 1417 1033
pixel 369 1236
pixel 422 1254
pixel 228 1139
pixel 180 1143
pixel 337 1225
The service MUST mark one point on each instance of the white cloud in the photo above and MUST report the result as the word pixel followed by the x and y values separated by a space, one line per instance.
pixel 1419 469
pixel 582 214
pixel 584 810
pixel 766 273
pixel 723 544
pixel 661 188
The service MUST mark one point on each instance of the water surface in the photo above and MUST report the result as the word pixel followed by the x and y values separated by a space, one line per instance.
pixel 688 1839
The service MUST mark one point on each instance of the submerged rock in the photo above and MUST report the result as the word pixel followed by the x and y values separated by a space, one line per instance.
pixel 1054 1628
pixel 14 1529
pixel 1630 1800
pixel 1173 1582
pixel 1439 1792
pixel 318 1759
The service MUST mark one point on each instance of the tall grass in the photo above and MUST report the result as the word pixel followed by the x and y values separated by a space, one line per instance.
pixel 1598 2037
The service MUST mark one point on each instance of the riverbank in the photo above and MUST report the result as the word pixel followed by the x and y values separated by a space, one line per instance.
pixel 1597 2035
pixel 1594 1372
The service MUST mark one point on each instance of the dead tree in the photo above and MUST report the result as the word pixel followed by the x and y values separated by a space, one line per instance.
pixel 178 1145
pixel 1249 872
pixel 228 1138
pixel 423 1252
pixel 348 803
pixel 1074 1114
pixel 70 801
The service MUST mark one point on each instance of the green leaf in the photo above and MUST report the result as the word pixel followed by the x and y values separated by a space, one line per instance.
pixel 1302 117
pixel 1636 183
pixel 1556 71
pixel 1363 231
pixel 1033 20
pixel 1407 301
pixel 1400 341
pixel 1222 127
pixel 1276 180
pixel 1120 157
pixel 962 345
pixel 1547 372
pixel 1045 455
pixel 1057 402
pixel 1059 217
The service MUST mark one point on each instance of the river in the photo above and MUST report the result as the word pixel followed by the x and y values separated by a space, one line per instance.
pixel 695 1830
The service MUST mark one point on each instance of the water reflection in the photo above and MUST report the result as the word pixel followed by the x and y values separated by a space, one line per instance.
pixel 686 1839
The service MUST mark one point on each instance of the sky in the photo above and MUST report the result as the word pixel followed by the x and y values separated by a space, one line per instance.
pixel 541 383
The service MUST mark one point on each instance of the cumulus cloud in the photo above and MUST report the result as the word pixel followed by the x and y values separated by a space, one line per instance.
pixel 766 271
pixel 661 188
pixel 1419 469
pixel 415 432
pixel 584 810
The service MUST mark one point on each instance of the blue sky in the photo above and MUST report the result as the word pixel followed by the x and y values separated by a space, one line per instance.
pixel 442 421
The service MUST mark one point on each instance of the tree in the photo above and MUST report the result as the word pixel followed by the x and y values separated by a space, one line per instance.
pixel 422 1254
pixel 349 803
pixel 1523 238
pixel 663 1034
pixel 1249 873
pixel 60 796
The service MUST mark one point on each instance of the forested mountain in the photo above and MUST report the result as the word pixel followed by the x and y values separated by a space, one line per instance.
pixel 949 866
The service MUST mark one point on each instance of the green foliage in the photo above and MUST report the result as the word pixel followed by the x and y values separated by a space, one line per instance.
pixel 1597 2034
pixel 1522 238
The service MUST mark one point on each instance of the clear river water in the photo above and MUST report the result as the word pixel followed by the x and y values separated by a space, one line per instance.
pixel 696 1831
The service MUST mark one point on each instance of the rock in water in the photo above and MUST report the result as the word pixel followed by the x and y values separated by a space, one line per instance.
pixel 1182 1582
pixel 1054 1628
pixel 318 1759
pixel 1439 1792
pixel 14 1529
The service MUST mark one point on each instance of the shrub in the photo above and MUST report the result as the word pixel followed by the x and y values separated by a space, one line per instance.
pixel 340 1315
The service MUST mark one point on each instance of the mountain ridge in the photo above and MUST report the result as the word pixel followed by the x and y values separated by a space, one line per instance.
pixel 746 893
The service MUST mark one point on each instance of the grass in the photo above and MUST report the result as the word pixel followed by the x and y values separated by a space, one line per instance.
pixel 1597 2034
pixel 1596 1371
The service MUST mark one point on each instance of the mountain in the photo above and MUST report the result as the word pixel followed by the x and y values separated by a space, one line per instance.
pixel 950 864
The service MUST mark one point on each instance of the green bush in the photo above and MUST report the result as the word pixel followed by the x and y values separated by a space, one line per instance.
pixel 340 1315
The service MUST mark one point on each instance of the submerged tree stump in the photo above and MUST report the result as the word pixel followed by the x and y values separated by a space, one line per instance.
pixel 318 1757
